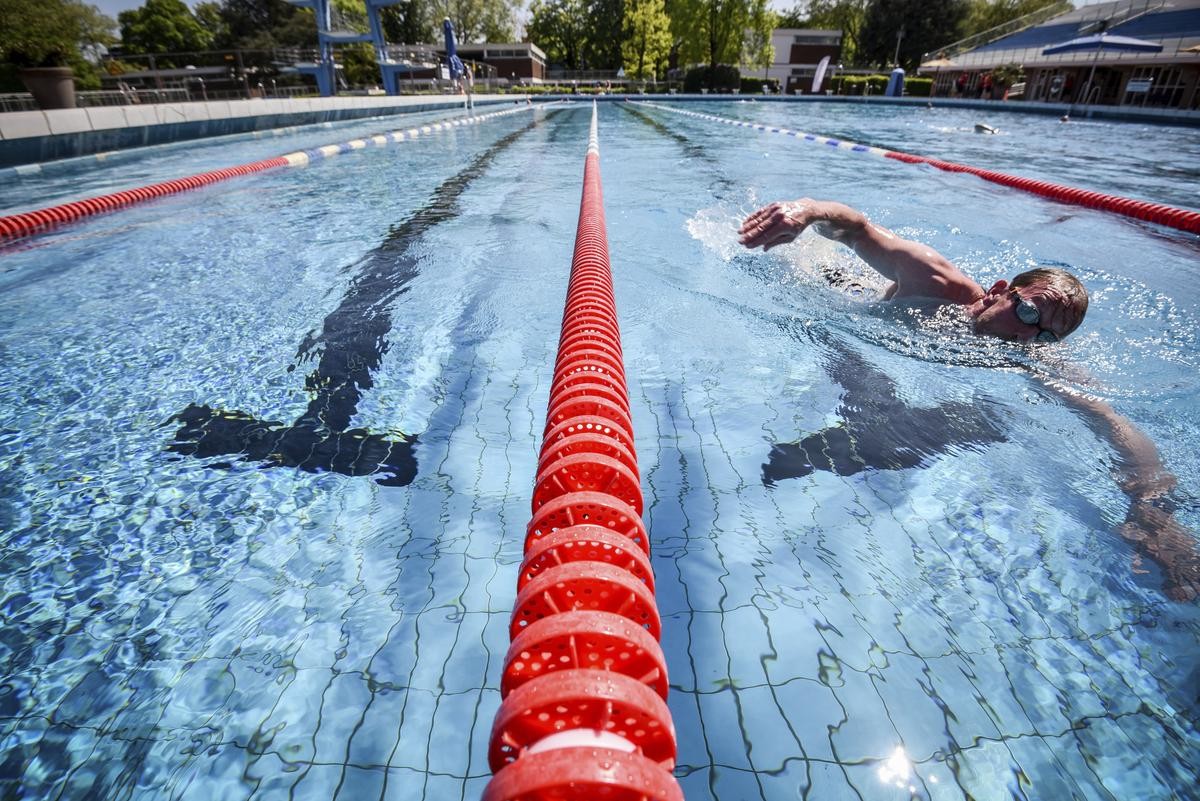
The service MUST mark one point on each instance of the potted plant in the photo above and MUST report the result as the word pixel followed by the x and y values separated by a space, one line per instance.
pixel 1004 77
pixel 40 38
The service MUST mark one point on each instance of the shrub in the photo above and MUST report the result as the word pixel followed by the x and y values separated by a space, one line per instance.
pixel 1006 75
pixel 722 78
pixel 754 86
pixel 918 87
pixel 857 84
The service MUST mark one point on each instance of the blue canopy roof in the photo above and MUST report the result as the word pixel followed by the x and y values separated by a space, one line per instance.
pixel 1104 41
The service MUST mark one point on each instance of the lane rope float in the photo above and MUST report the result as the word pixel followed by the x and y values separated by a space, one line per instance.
pixel 1170 216
pixel 584 684
pixel 25 224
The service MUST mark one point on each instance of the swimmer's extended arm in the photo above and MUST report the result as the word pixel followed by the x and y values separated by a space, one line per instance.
pixel 1150 525
pixel 915 268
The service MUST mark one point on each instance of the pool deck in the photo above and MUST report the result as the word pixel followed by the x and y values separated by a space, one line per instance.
pixel 31 137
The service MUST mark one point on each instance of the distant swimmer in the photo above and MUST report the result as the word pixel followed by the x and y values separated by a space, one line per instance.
pixel 1038 306
pixel 981 127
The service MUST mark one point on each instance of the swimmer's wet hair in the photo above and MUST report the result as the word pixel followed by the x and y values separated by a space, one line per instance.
pixel 1061 283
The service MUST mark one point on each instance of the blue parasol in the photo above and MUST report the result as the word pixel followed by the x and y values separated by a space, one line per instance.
pixel 456 66
pixel 1098 42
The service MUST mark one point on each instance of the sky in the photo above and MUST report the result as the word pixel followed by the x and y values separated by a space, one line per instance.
pixel 114 7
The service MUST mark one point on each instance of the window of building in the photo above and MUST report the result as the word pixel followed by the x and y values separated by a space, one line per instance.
pixel 814 39
pixel 1154 86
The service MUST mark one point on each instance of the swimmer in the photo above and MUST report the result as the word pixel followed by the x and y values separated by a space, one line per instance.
pixel 984 128
pixel 1039 306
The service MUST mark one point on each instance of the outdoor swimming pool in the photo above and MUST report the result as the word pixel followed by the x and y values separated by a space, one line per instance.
pixel 182 622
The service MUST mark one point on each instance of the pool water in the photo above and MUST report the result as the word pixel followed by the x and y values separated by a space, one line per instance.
pixel 946 613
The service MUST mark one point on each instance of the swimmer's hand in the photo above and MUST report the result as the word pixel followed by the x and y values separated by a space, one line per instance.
pixel 776 224
pixel 781 222
pixel 1155 532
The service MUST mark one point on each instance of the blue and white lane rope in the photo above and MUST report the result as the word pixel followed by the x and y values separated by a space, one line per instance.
pixel 594 134
pixel 302 157
pixel 841 144
pixel 24 224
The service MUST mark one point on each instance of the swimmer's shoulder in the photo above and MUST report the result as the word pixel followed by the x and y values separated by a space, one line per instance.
pixel 944 287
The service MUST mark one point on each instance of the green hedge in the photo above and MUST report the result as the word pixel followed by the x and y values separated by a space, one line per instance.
pixel 918 87
pixel 724 79
pixel 754 86
pixel 856 85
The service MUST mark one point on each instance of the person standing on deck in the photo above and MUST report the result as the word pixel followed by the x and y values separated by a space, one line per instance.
pixel 1043 306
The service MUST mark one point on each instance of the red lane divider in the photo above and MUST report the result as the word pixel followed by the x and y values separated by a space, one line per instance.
pixel 21 225
pixel 1169 216
pixel 584 685
pixel 1181 219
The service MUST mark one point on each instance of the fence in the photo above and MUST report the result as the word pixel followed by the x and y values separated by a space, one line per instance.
pixel 23 101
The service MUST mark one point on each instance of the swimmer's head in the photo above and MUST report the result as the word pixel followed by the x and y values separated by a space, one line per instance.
pixel 1042 305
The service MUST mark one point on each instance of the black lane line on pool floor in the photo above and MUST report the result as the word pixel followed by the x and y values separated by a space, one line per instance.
pixel 352 343
pixel 878 430
pixel 690 148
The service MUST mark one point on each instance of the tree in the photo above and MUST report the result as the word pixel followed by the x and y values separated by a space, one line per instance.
pixel 266 24
pixel 209 17
pixel 844 15
pixel 757 50
pixel 603 34
pixel 478 20
pixel 97 31
pixel 407 23
pixel 51 33
pixel 987 14
pixel 647 37
pixel 797 17
pixel 716 32
pixel 349 15
pixel 558 28
pixel 162 26
pixel 925 26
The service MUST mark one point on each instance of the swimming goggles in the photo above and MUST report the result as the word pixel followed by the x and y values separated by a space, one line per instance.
pixel 1029 314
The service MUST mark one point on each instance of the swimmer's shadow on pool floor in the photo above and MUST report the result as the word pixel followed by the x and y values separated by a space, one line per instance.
pixel 879 431
pixel 348 350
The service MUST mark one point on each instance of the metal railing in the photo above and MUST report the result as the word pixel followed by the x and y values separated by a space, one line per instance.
pixel 1032 56
pixel 1130 12
pixel 582 75
pixel 999 32
pixel 23 101
pixel 1089 19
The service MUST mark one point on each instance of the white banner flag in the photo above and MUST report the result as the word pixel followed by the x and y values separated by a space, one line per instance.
pixel 819 75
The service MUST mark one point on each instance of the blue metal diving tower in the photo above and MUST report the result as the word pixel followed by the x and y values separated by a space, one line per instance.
pixel 324 69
